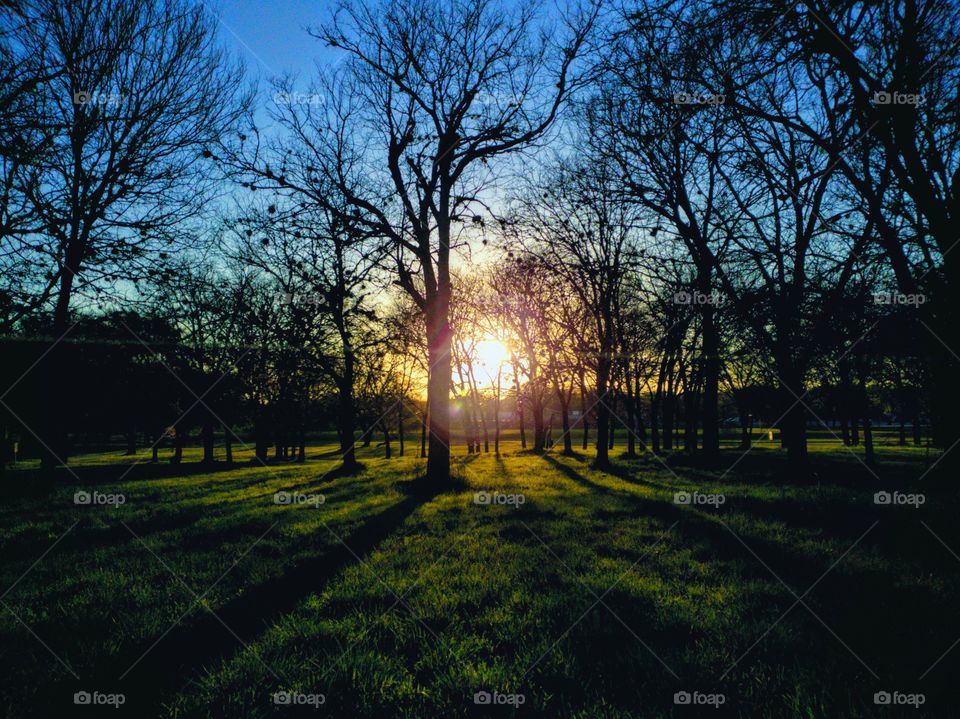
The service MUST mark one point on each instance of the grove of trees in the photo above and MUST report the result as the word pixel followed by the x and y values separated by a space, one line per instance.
pixel 648 225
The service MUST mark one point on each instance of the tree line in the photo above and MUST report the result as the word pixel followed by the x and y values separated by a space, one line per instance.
pixel 665 213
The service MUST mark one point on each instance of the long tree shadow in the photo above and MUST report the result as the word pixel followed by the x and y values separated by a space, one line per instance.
pixel 174 513
pixel 166 662
pixel 864 600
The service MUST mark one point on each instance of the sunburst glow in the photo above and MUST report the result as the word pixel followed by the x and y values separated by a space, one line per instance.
pixel 491 354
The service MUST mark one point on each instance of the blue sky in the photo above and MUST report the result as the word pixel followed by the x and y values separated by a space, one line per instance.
pixel 270 35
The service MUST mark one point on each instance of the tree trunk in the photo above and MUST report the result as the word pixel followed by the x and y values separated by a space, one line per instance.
pixel 228 443
pixel 565 423
pixel 53 448
pixel 177 446
pixel 346 422
pixel 522 426
pixel 794 422
pixel 538 428
pixel 602 460
pixel 438 388
pixel 496 417
pixel 424 419
pixel 400 437
pixel 207 439
pixel 745 438
pixel 709 405
pixel 583 414
pixel 655 401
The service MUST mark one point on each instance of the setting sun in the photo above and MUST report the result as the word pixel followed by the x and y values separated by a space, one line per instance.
pixel 491 353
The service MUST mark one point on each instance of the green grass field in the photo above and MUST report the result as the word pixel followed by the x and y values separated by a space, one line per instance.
pixel 572 594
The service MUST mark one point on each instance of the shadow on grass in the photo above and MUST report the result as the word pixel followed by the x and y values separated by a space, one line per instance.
pixel 864 597
pixel 203 638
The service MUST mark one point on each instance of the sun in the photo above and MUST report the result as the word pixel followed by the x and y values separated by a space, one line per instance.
pixel 491 354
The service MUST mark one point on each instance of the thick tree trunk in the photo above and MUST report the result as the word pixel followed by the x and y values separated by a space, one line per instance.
pixel 794 422
pixel 668 408
pixel 438 389
pixel 346 421
pixel 53 448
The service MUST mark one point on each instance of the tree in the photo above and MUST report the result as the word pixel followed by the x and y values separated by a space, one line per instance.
pixel 582 231
pixel 444 88
pixel 134 93
pixel 890 70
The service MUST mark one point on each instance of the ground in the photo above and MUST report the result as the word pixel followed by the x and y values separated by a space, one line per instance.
pixel 577 593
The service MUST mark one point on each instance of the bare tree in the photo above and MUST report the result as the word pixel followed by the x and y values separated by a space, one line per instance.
pixel 444 88
pixel 582 230
pixel 135 93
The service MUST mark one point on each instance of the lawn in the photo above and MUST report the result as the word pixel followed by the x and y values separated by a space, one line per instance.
pixel 534 583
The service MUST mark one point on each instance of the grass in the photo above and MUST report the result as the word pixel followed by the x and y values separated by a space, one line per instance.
pixel 598 596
